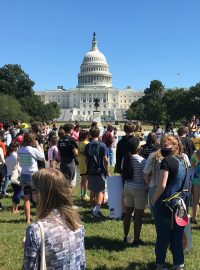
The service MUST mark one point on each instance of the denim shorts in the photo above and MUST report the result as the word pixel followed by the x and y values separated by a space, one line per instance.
pixel 25 180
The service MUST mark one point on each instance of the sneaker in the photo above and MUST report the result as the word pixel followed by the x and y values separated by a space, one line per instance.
pixel 75 207
pixel 97 214
pixel 5 194
pixel 85 198
pixel 128 240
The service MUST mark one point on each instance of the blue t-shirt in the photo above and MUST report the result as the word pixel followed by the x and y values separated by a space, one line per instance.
pixel 102 151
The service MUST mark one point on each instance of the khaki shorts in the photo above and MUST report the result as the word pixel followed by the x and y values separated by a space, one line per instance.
pixel 135 197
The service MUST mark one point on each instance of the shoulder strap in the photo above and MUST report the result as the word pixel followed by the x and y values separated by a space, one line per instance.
pixel 43 259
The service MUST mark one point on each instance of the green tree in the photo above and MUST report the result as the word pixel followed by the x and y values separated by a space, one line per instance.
pixel 10 109
pixel 176 103
pixel 155 90
pixel 150 107
pixel 15 82
pixel 51 111
pixel 193 101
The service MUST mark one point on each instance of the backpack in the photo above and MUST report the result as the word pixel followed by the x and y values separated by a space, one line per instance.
pixel 93 166
pixel 108 139
pixel 127 167
pixel 173 200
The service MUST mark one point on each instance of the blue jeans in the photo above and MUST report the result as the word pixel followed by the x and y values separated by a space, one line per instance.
pixel 111 156
pixel 17 193
pixel 151 193
pixel 167 235
pixel 5 184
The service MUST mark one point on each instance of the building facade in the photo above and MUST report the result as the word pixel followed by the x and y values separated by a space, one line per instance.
pixel 94 82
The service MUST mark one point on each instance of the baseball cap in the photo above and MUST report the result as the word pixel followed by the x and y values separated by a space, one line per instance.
pixel 24 126
pixel 181 216
pixel 19 139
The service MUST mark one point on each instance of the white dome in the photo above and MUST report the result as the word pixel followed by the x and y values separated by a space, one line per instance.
pixel 96 55
pixel 94 70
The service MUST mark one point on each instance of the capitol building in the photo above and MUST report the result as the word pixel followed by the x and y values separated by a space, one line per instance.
pixel 94 82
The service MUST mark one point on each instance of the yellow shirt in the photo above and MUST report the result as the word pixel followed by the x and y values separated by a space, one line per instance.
pixel 81 157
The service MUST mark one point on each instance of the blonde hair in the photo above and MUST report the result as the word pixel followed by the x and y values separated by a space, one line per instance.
pixel 157 158
pixel 54 193
pixel 175 143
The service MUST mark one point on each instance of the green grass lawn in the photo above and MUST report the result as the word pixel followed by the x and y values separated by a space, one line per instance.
pixel 103 242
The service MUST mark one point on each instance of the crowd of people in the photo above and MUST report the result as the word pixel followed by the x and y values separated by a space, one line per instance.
pixel 42 165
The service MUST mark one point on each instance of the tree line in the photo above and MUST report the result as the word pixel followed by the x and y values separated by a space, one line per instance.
pixel 17 98
pixel 160 105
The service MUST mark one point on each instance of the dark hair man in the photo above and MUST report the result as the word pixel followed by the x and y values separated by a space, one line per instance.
pixel 97 169
pixel 67 151
pixel 188 145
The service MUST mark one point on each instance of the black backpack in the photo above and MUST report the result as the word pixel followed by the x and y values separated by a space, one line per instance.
pixel 127 167
pixel 93 166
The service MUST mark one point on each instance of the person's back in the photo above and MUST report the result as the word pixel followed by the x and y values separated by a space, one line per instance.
pixel 188 145
pixel 58 222
pixel 138 163
pixel 122 148
pixel 64 248
pixel 81 156
pixel 95 151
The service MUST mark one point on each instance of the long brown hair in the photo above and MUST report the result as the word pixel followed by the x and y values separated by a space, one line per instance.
pixel 29 139
pixel 175 143
pixel 54 193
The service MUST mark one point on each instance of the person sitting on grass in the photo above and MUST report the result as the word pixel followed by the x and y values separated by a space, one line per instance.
pixel 96 153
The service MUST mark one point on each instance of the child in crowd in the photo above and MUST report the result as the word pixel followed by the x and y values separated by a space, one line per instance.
pixel 53 153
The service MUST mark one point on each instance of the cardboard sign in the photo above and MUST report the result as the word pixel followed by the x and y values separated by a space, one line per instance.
pixel 115 191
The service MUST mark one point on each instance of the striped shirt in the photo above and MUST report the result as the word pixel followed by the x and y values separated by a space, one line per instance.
pixel 138 164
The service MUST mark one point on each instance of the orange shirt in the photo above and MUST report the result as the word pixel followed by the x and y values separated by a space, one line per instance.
pixel 2 145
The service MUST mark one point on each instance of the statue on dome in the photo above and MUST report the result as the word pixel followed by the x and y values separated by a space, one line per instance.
pixel 96 103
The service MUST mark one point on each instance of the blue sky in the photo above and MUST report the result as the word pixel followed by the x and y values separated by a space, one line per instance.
pixel 141 39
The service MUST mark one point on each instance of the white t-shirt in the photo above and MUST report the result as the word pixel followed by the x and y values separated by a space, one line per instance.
pixel 28 157
pixel 2 160
pixel 8 138
pixel 52 153
pixel 12 163
pixel 150 166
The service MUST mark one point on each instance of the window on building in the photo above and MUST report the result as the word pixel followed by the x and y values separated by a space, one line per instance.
pixel 88 112
pixel 83 113
pixel 104 113
pixel 78 112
